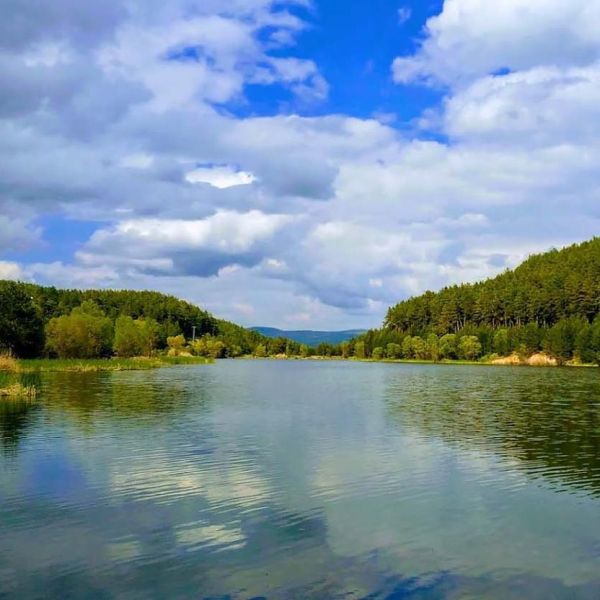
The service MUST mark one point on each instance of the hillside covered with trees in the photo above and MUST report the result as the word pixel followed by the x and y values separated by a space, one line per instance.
pixel 47 321
pixel 550 303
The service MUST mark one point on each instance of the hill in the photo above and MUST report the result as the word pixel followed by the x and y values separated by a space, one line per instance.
pixel 551 303
pixel 27 309
pixel 310 337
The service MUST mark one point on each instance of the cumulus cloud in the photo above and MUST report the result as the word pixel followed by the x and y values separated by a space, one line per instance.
pixel 125 113
pixel 10 270
pixel 173 246
pixel 220 177
pixel 473 38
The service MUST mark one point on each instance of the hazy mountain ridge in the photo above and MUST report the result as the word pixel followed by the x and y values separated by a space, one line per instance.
pixel 310 337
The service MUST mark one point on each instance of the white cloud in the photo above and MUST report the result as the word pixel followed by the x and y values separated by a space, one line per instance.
pixel 543 105
pixel 473 38
pixel 225 231
pixel 220 177
pixel 120 112
pixel 10 270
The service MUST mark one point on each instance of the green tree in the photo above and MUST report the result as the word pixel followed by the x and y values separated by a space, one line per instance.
pixel 126 341
pixel 559 341
pixel 419 348
pixel 393 350
pixel 260 351
pixel 85 333
pixel 501 342
pixel 21 327
pixel 433 347
pixel 469 347
pixel 176 344
pixel 359 350
pixel 377 353
pixel 449 346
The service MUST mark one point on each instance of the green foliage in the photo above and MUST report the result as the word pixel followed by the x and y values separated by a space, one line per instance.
pixel 359 350
pixel 393 350
pixel 433 347
pixel 260 351
pixel 469 347
pixel 377 353
pixel 419 348
pixel 135 337
pixel 85 333
pixel 209 346
pixel 176 344
pixel 27 309
pixel 21 327
pixel 551 302
pixel 449 346
pixel 407 347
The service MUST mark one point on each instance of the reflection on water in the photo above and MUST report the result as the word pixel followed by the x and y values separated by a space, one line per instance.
pixel 303 480
pixel 547 420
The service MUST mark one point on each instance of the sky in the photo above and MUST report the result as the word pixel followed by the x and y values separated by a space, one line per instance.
pixel 294 163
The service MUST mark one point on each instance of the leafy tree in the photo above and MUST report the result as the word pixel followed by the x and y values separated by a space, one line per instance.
pixel 433 347
pixel 135 337
pixel 260 351
pixel 393 350
pixel 469 347
pixel 419 348
pixel 501 344
pixel 21 327
pixel 359 350
pixel 209 346
pixel 449 346
pixel 85 333
pixel 176 344
pixel 377 353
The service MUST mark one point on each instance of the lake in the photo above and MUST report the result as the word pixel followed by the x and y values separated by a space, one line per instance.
pixel 302 479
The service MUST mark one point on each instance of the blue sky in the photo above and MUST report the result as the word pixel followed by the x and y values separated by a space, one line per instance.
pixel 294 163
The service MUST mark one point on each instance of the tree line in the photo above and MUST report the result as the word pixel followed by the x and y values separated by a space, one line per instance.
pixel 47 321
pixel 550 303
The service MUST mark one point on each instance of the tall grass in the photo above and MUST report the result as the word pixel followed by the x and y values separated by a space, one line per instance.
pixel 8 363
pixel 106 364
pixel 16 386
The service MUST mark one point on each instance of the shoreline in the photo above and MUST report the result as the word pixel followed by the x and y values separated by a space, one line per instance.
pixel 410 361
pixel 91 365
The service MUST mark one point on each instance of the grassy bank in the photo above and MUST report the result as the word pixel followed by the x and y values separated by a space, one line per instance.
pixel 103 364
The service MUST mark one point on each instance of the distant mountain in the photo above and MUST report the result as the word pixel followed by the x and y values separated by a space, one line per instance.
pixel 309 337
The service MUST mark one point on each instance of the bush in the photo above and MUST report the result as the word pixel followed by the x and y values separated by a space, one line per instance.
pixel 469 347
pixel 135 338
pixel 176 344
pixel 377 353
pixel 449 346
pixel 85 333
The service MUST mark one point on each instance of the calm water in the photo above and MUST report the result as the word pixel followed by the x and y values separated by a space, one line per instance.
pixel 258 479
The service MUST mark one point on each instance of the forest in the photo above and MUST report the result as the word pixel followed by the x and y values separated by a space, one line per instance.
pixel 550 303
pixel 38 321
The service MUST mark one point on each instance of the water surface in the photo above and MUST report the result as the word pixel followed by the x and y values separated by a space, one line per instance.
pixel 271 479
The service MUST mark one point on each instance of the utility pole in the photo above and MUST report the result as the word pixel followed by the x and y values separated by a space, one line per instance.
pixel 193 333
